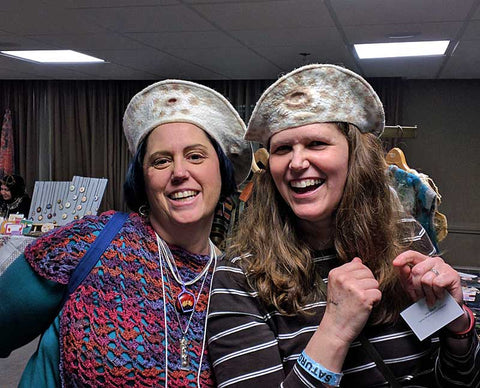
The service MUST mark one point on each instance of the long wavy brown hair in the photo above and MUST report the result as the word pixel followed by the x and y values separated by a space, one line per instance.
pixel 365 223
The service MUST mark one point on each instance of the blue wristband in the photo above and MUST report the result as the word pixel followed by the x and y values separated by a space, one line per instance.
pixel 318 371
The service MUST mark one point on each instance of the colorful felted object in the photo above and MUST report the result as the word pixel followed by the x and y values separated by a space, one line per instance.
pixel 172 101
pixel 417 198
pixel 316 94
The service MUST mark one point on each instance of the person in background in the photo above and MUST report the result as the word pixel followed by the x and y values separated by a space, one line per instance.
pixel 324 260
pixel 139 317
pixel 15 199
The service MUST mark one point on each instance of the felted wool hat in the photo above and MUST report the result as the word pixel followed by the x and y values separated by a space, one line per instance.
pixel 172 101
pixel 316 94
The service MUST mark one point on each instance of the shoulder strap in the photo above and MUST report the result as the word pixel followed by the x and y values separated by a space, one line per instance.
pixel 377 358
pixel 93 254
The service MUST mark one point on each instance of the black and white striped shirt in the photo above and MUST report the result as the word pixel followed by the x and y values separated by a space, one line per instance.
pixel 252 345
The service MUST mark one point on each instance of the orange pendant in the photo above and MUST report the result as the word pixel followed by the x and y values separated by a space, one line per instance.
pixel 185 301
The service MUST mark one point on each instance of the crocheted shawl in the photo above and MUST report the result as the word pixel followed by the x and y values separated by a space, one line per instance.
pixel 112 329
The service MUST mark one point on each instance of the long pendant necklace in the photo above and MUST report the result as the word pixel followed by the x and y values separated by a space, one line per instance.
pixel 165 253
pixel 184 342
pixel 185 299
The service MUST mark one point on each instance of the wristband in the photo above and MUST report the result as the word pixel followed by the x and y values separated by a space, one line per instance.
pixel 466 333
pixel 318 371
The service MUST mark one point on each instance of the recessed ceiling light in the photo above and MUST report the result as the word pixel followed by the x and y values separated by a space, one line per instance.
pixel 403 35
pixel 401 49
pixel 53 56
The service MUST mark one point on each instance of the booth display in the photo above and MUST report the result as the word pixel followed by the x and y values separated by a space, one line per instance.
pixel 53 204
pixel 471 291
pixel 62 202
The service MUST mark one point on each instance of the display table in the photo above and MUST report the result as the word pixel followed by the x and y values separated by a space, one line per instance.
pixel 10 248
pixel 471 291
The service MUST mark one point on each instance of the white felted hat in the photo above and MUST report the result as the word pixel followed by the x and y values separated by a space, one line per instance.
pixel 172 101
pixel 316 94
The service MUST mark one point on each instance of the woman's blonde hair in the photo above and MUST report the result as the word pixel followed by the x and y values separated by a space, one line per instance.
pixel 365 224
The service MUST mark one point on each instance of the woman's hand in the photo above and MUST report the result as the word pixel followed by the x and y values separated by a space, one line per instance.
pixel 351 294
pixel 430 277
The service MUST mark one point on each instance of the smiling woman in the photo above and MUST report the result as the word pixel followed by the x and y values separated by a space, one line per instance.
pixel 139 317
pixel 182 179
pixel 309 166
pixel 324 259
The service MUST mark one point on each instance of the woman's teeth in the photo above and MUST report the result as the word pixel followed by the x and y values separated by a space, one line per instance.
pixel 182 195
pixel 306 183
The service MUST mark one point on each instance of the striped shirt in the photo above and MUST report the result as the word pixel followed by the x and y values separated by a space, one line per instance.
pixel 254 345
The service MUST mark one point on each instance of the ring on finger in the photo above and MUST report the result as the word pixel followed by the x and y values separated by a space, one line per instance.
pixel 435 271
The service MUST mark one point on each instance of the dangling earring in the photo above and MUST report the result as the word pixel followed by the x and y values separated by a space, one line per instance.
pixel 144 210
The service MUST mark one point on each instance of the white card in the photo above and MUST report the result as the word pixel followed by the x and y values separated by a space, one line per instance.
pixel 425 321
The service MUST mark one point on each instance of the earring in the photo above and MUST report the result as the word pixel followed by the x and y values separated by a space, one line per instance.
pixel 144 210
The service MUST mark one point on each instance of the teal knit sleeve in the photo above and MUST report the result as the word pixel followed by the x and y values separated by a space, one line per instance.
pixel 28 305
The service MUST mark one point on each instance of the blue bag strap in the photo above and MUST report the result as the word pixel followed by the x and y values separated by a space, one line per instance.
pixel 93 254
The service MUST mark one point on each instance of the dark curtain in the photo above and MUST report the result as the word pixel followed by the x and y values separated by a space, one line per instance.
pixel 243 94
pixel 67 128
pixel 390 92
pixel 86 130
pixel 24 100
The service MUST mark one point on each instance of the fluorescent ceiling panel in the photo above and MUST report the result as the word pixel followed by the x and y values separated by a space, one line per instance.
pixel 53 56
pixel 401 49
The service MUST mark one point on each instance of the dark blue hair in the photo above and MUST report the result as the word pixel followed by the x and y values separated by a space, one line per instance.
pixel 134 186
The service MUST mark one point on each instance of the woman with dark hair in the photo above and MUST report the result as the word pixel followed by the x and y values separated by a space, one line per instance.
pixel 14 198
pixel 139 317
pixel 324 260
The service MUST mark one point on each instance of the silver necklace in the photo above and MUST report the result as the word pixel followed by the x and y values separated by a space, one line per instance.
pixel 173 266
pixel 185 300
pixel 164 252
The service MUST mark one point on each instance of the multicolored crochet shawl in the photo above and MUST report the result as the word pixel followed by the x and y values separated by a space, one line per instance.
pixel 112 329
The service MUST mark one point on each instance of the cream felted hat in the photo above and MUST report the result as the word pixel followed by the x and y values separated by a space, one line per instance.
pixel 316 94
pixel 172 101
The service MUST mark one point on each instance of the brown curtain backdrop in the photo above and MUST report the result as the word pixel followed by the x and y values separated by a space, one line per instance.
pixel 390 92
pixel 24 101
pixel 67 128
pixel 86 132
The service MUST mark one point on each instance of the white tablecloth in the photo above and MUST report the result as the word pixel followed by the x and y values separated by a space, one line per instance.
pixel 10 248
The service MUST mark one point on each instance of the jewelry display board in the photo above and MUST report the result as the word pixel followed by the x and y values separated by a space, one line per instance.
pixel 48 200
pixel 62 202
pixel 84 197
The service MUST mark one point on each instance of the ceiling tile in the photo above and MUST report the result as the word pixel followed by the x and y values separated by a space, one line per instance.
pixel 156 63
pixel 16 42
pixel 109 71
pixel 289 36
pixel 465 61
pixel 231 63
pixel 185 39
pixel 267 14
pixel 472 31
pixel 288 58
pixel 146 19
pixel 111 3
pixel 351 13
pixel 412 67
pixel 378 33
pixel 476 15
pixel 40 20
pixel 215 39
pixel 99 41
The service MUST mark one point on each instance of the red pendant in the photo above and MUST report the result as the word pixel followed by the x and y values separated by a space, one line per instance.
pixel 185 301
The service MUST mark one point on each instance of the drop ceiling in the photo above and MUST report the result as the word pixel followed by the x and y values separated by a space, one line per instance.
pixel 228 39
